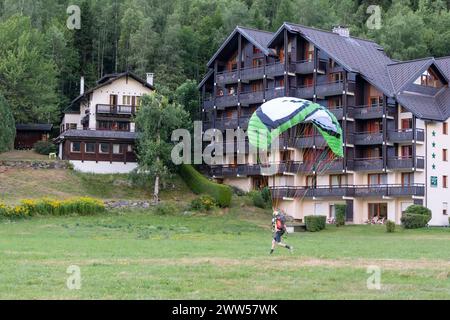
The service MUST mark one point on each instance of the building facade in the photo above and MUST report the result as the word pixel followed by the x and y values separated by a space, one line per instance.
pixel 97 130
pixel 394 116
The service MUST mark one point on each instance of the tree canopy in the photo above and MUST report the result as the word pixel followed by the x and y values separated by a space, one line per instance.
pixel 8 127
pixel 41 60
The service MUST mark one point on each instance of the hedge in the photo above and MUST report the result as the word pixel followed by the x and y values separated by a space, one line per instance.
pixel 200 184
pixel 390 226
pixel 315 223
pixel 30 208
pixel 44 147
pixel 416 216
pixel 8 126
pixel 340 214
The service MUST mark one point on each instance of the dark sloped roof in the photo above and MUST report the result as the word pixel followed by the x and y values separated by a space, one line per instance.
pixel 258 38
pixel 34 127
pixel 356 55
pixel 205 78
pixel 444 64
pixel 402 72
pixel 100 134
pixel 423 106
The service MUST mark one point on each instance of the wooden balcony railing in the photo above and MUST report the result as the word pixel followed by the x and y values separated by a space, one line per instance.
pixel 115 109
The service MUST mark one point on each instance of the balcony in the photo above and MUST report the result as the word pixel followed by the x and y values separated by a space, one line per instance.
pixel 383 190
pixel 274 93
pixel 371 111
pixel 304 92
pixel 406 135
pixel 405 163
pixel 307 141
pixel 338 112
pixel 226 77
pixel 304 66
pixel 367 138
pixel 368 164
pixel 236 170
pixel 109 109
pixel 254 73
pixel 275 69
pixel 247 98
pixel 228 100
pixel 390 190
pixel 208 104
pixel 329 89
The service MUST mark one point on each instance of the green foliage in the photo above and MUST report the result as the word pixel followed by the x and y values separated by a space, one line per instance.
pixel 390 226
pixel 201 185
pixel 188 96
pixel 315 223
pixel 416 216
pixel 44 147
pixel 203 203
pixel 166 209
pixel 155 121
pixel 30 208
pixel 340 214
pixel 257 199
pixel 7 128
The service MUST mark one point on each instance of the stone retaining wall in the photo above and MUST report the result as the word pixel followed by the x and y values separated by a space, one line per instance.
pixel 35 164
pixel 128 204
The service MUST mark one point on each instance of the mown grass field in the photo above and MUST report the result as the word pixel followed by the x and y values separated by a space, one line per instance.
pixel 224 255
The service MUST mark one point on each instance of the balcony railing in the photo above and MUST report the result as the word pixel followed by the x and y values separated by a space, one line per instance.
pixel 368 138
pixel 307 141
pixel 115 109
pixel 371 111
pixel 227 76
pixel 275 69
pixel 322 191
pixel 406 135
pixel 274 93
pixel 236 170
pixel 226 101
pixel 227 123
pixel 208 104
pixel 252 73
pixel 253 97
pixel 338 112
pixel 400 163
pixel 368 164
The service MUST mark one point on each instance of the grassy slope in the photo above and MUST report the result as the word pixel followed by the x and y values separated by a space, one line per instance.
pixel 22 155
pixel 18 184
pixel 144 256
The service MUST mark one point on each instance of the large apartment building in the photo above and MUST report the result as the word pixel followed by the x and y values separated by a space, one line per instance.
pixel 394 116
pixel 97 130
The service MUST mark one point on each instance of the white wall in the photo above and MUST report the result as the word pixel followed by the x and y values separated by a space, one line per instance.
pixel 103 166
pixel 437 196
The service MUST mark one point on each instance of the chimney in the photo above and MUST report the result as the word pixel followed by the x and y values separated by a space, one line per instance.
pixel 81 85
pixel 150 78
pixel 342 31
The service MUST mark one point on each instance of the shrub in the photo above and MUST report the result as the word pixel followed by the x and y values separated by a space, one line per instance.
pixel 201 185
pixel 203 203
pixel 449 221
pixel 315 223
pixel 390 226
pixel 415 216
pixel 44 147
pixel 166 209
pixel 265 193
pixel 340 214
pixel 29 208
pixel 257 199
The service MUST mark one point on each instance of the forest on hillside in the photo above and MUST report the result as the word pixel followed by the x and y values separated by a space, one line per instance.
pixel 41 59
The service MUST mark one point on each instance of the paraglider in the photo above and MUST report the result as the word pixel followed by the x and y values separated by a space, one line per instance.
pixel 276 116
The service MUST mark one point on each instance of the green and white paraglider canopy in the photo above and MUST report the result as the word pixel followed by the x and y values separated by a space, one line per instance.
pixel 276 116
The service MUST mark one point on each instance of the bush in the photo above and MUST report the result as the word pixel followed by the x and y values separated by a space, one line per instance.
pixel 415 216
pixel 29 208
pixel 390 226
pixel 449 221
pixel 201 185
pixel 340 214
pixel 265 193
pixel 315 223
pixel 203 203
pixel 166 209
pixel 8 127
pixel 258 199
pixel 44 147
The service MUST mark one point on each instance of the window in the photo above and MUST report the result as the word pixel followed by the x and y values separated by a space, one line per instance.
pixel 126 100
pixel 335 102
pixel 332 211
pixel 335 180
pixel 123 126
pixel 375 102
pixel 75 147
pixel 103 148
pixel 445 128
pixel 72 125
pixel 129 148
pixel 257 62
pixel 113 99
pixel 429 79
pixel 407 123
pixel 377 178
pixel 89 147
pixel 444 208
pixel 138 101
pixel 407 178
pixel 256 50
pixel 318 209
pixel 444 182
pixel 117 149
pixel 309 82
pixel 444 155
pixel 310 181
pixel 336 77
pixel 257 86
pixel 406 152
pixel 309 51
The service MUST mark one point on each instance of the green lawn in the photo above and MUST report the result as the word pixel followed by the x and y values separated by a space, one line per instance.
pixel 137 254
